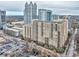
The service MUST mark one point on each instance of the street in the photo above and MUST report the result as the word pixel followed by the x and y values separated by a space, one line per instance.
pixel 71 46
pixel 12 46
pixel 77 43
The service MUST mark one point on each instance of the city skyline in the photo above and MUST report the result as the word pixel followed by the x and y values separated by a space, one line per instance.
pixel 58 7
pixel 39 28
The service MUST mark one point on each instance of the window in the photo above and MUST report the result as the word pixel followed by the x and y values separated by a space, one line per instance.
pixel 55 27
pixel 41 29
pixel 36 31
pixel 51 30
pixel 46 41
pixel 58 39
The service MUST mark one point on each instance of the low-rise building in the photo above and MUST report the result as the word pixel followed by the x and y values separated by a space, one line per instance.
pixel 18 24
pixel 11 30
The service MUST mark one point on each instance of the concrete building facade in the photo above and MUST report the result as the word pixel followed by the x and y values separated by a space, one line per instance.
pixel 48 33
pixel 27 32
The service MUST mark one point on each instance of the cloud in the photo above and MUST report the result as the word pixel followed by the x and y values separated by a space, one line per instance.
pixel 57 7
pixel 13 13
pixel 12 5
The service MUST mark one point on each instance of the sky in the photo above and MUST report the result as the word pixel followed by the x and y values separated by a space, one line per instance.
pixel 57 7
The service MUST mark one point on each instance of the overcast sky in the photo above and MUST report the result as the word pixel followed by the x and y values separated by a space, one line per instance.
pixel 57 7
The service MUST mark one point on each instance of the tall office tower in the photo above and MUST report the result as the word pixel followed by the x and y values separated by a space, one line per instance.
pixel 44 14
pixel 34 11
pixel 2 18
pixel 30 12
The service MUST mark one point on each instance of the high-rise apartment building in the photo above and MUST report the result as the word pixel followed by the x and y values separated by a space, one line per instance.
pixel 52 33
pixel 44 14
pixel 30 12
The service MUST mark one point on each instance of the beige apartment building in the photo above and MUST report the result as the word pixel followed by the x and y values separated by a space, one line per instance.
pixel 52 33
pixel 27 32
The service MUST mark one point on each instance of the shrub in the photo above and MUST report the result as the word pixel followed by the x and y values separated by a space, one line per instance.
pixel 60 50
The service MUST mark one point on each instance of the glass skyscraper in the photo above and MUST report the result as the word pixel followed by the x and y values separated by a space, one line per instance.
pixel 30 12
pixel 44 14
pixel 2 18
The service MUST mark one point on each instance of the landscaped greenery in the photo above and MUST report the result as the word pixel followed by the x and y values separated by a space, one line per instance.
pixel 60 50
